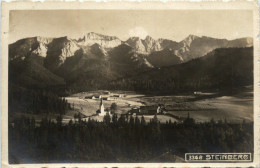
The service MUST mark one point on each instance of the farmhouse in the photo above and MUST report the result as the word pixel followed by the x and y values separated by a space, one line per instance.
pixel 119 95
pixel 151 110
pixel 106 98
pixel 89 97
pixel 106 92
pixel 134 110
pixel 94 97
pixel 109 98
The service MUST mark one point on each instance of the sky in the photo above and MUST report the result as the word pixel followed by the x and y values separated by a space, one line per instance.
pixel 169 24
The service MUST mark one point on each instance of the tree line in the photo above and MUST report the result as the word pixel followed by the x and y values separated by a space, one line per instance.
pixel 117 139
pixel 36 101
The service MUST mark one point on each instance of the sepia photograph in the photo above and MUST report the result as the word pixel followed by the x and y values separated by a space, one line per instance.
pixel 130 86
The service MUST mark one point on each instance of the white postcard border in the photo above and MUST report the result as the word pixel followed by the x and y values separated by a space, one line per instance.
pixel 206 5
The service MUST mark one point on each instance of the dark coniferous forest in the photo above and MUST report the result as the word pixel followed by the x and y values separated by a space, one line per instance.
pixel 118 140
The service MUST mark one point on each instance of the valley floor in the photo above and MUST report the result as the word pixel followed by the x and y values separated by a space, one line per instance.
pixel 234 109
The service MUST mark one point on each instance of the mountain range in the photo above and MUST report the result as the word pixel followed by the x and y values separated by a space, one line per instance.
pixel 95 57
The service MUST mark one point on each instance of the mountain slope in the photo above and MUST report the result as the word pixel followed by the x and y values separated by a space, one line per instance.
pixel 137 44
pixel 168 44
pixel 193 46
pixel 213 71
pixel 241 42
pixel 190 48
pixel 146 46
pixel 31 72
pixel 58 51
pixel 166 57
pixel 25 47
pixel 93 67
pixel 130 60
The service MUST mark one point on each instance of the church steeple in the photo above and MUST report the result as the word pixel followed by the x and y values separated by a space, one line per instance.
pixel 101 102
pixel 102 108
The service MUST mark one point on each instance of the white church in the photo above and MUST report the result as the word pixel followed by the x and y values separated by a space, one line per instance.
pixel 102 111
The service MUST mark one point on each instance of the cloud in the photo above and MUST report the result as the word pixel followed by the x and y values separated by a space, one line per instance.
pixel 138 32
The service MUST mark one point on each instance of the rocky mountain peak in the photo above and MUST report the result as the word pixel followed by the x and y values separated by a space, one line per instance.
pixel 133 39
pixel 44 40
pixel 137 44
pixel 192 37
pixel 145 46
pixel 103 40
pixel 151 45
pixel 96 36
pixel 149 38
pixel 186 43
pixel 93 45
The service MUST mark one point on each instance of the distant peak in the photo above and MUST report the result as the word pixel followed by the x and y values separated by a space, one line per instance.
pixel 191 36
pixel 45 40
pixel 93 35
pixel 134 39
pixel 148 38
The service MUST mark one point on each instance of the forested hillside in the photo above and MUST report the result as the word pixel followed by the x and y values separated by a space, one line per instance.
pixel 35 101
pixel 221 69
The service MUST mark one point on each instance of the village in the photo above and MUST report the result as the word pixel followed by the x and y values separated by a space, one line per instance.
pixel 142 110
pixel 96 105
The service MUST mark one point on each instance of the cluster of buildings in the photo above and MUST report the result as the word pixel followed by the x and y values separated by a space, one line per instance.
pixel 148 110
pixel 142 110
pixel 105 96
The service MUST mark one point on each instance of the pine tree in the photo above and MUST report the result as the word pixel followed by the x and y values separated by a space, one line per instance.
pixel 114 119
pixel 107 119
pixel 113 108
pixel 143 122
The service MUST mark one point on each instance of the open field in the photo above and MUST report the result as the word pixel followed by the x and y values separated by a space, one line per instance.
pixel 233 109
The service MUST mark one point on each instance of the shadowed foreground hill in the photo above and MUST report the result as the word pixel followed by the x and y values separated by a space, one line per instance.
pixel 225 68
